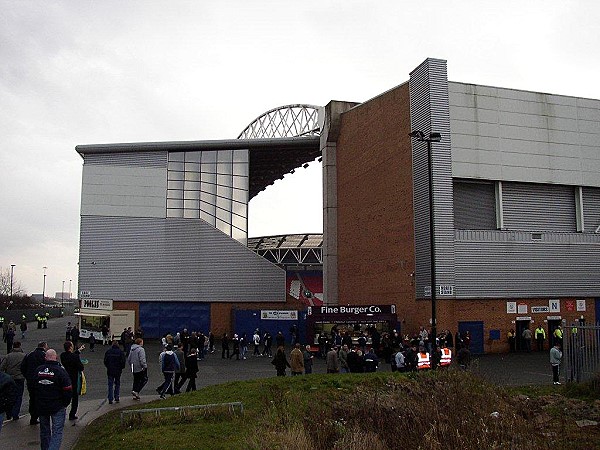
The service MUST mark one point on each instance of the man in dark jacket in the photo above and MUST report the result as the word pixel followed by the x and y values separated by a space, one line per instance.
pixel 169 365
pixel 8 396
pixel 29 365
pixel 73 365
pixel 53 394
pixel 114 360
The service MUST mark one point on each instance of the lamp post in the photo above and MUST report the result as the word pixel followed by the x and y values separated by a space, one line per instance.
pixel 62 295
pixel 433 137
pixel 12 268
pixel 70 281
pixel 44 285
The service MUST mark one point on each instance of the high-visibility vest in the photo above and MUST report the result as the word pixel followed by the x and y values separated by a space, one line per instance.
pixel 423 361
pixel 446 357
pixel 558 333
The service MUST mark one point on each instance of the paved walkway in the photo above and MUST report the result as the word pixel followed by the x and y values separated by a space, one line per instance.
pixel 513 369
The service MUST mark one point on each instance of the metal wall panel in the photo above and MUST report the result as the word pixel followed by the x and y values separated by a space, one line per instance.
pixel 527 136
pixel 512 266
pixel 429 112
pixel 152 259
pixel 139 159
pixel 538 207
pixel 591 209
pixel 474 205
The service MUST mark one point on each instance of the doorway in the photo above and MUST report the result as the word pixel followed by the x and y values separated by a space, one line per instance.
pixel 519 341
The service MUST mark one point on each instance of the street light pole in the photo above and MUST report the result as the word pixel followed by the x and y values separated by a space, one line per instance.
pixel 70 281
pixel 62 295
pixel 44 286
pixel 433 137
pixel 12 268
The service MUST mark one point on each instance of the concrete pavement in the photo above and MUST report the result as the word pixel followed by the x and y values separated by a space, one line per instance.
pixel 512 369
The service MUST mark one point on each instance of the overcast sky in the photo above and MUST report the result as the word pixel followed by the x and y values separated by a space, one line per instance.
pixel 85 72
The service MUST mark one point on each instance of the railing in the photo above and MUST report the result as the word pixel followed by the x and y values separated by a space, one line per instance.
pixel 581 356
pixel 130 415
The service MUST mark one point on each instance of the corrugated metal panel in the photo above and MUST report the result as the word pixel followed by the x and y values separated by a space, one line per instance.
pixel 518 269
pixel 429 111
pixel 141 159
pixel 591 209
pixel 151 259
pixel 538 207
pixel 474 205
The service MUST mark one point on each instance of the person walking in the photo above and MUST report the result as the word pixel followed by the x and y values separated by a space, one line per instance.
pixel 280 361
pixel 169 364
pixel 225 346
pixel 555 359
pixel 29 365
pixel 114 361
pixel 9 338
pixel 180 373
pixel 308 360
pixel 8 396
pixel 139 366
pixel 191 370
pixel 526 335
pixel 256 341
pixel 11 365
pixel 332 361
pixel 296 360
pixel 53 395
pixel 540 337
pixel 73 365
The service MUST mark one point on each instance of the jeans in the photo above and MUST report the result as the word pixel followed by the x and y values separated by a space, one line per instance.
pixel 17 407
pixel 51 435
pixel 167 386
pixel 114 387
pixel 32 401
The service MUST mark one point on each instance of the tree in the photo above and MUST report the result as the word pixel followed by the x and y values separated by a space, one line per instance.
pixel 17 288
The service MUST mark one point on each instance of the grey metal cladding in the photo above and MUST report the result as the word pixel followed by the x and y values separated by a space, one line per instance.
pixel 526 269
pixel 141 159
pixel 538 207
pixel 430 112
pixel 591 209
pixel 474 205
pixel 153 259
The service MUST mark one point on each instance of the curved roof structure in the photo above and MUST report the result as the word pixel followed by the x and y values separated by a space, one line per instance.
pixel 286 121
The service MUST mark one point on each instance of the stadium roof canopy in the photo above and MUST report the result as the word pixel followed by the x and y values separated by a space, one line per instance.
pixel 280 141
pixel 291 251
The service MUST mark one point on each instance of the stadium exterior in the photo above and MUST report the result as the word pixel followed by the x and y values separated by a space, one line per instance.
pixel 516 196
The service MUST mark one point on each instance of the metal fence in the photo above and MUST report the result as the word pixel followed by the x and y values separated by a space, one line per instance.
pixel 581 352
pixel 132 414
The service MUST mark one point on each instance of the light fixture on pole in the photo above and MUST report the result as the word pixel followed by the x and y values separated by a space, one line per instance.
pixel 62 295
pixel 433 137
pixel 44 285
pixel 70 281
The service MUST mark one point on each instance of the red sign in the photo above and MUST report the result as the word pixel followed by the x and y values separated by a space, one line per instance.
pixel 570 305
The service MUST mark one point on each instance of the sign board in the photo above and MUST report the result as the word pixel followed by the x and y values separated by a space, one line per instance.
pixel 524 318
pixel 277 314
pixel 105 305
pixel 445 289
pixel 522 308
pixel 85 294
pixel 511 307
pixel 581 305
pixel 554 318
pixel 349 309
pixel 570 304
pixel 554 305
pixel 540 309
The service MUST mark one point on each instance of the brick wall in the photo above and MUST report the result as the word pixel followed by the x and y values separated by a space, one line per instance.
pixel 375 205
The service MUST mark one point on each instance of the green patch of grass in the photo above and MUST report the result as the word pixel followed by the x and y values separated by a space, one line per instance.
pixel 444 409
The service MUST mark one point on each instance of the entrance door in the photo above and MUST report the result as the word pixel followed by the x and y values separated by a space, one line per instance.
pixel 552 325
pixel 475 329
pixel 520 342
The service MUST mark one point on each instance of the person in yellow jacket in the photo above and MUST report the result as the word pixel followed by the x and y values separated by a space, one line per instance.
pixel 558 335
pixel 540 337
